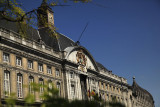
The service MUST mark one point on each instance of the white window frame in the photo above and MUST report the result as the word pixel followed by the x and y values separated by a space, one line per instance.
pixel 7 83
pixel 49 70
pixel 57 73
pixel 30 64
pixel 41 82
pixel 19 61
pixel 31 81
pixel 71 75
pixel 40 67
pixel 5 57
pixel 19 85
pixel 58 85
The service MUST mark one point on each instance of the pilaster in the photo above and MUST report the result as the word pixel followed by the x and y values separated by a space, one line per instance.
pixel 13 82
pixel 13 60
pixel 1 56
pixel 53 71
pixel 35 66
pixel 25 83
pixel 24 62
pixel 45 68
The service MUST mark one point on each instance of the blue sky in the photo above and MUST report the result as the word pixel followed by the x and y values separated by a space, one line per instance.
pixel 124 36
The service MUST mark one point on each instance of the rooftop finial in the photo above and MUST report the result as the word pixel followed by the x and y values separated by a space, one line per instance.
pixel 133 78
pixel 44 1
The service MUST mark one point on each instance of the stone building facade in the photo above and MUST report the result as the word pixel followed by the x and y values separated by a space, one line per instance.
pixel 43 59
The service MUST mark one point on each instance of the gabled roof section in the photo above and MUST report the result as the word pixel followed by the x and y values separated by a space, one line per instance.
pixel 64 42
pixel 101 67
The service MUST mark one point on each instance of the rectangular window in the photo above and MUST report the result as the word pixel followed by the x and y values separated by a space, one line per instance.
pixel 57 73
pixel 6 83
pixel 19 86
pixel 40 67
pixel 5 57
pixel 106 86
pixel 31 81
pixel 30 64
pixel 102 86
pixel 18 61
pixel 72 75
pixel 49 70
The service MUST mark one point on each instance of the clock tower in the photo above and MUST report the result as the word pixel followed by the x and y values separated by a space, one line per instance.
pixel 45 16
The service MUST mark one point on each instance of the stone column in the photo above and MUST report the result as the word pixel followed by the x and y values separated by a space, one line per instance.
pixel 45 68
pixel 35 66
pixel 13 82
pixel 24 63
pixel 1 56
pixel 13 60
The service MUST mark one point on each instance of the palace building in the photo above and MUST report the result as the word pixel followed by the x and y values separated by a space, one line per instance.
pixel 59 60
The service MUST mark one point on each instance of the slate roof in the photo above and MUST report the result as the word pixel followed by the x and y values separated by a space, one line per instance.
pixel 140 92
pixel 13 26
pixel 101 66
pixel 58 44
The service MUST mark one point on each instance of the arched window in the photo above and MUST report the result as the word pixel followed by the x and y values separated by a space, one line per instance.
pixel 50 87
pixel 59 87
pixel 31 81
pixel 19 85
pixel 41 82
pixel 7 83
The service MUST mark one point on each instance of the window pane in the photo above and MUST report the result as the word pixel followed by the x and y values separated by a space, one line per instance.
pixel 57 73
pixel 5 57
pixel 18 61
pixel 49 70
pixel 40 67
pixel 31 80
pixel 19 85
pixel 7 83
pixel 30 64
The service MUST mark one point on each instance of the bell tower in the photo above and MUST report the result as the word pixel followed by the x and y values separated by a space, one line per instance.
pixel 45 16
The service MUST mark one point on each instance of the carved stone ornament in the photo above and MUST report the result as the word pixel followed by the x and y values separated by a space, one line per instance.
pixel 81 59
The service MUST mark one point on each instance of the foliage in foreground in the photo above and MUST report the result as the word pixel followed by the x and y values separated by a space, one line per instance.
pixel 51 99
